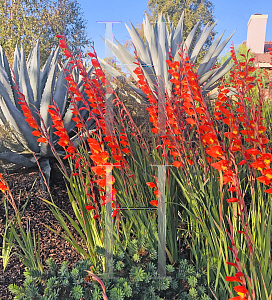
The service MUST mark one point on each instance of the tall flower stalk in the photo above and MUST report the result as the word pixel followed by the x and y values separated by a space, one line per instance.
pixel 231 136
pixel 221 171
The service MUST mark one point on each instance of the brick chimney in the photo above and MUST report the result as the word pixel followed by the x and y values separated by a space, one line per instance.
pixel 256 28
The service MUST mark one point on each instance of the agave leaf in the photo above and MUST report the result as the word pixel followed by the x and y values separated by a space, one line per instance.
pixel 158 38
pixel 5 64
pixel 17 159
pixel 170 31
pixel 123 55
pixel 75 74
pixel 161 53
pixel 6 83
pixel 220 72
pixel 45 71
pixel 89 72
pixel 139 44
pixel 29 58
pixel 208 55
pixel 77 140
pixel 16 63
pixel 56 56
pixel 149 74
pixel 200 43
pixel 24 83
pixel 60 93
pixel 217 53
pixel 3 120
pixel 151 43
pixel 17 120
pixel 200 35
pixel 146 64
pixel 69 124
pixel 47 90
pixel 214 95
pixel 190 37
pixel 46 170
pixel 177 38
pixel 207 75
pixel 48 95
pixel 34 75
pixel 110 69
pixel 137 90
pixel 147 37
pixel 16 71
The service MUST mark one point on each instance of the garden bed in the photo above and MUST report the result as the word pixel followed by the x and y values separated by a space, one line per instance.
pixel 39 215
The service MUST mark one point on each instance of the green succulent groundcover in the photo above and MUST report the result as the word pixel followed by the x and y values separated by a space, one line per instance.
pixel 134 276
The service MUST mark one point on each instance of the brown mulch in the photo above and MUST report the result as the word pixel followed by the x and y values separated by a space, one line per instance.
pixel 39 215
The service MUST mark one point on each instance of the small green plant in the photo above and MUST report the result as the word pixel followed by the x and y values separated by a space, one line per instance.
pixel 55 283
pixel 131 279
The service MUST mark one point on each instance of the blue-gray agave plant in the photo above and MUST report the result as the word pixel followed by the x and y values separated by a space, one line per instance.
pixel 153 55
pixel 39 86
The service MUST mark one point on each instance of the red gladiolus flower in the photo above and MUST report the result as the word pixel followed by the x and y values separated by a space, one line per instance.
pixel 68 53
pixel 233 279
pixel 259 165
pixel 242 162
pixel 63 44
pixel 269 191
pixel 253 151
pixel 232 189
pixel 267 158
pixel 241 291
pixel 232 200
pixel 177 164
pixel 268 173
pixel 117 157
pixel 220 165
pixel 98 170
pixel 151 185
pixel 36 133
pixel 231 264
pixel 190 121
pixel 42 140
pixel 101 182
pixel 114 213
pixel 89 207
pixel 157 193
pixel 3 185
pixel 215 151
pixel 71 149
pixel 264 180
pixel 154 202
pixel 95 63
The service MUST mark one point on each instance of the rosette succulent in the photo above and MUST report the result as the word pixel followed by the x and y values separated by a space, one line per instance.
pixel 39 86
pixel 155 51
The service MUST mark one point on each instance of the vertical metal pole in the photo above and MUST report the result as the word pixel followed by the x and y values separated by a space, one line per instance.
pixel 161 223
pixel 161 168
pixel 108 132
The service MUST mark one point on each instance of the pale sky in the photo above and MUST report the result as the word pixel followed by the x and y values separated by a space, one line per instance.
pixel 231 15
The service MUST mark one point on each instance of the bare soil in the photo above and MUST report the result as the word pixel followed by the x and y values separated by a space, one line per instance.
pixel 39 214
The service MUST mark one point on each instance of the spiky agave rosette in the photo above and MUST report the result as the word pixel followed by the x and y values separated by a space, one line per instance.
pixel 39 87
pixel 154 53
